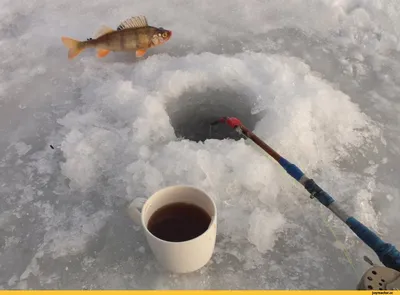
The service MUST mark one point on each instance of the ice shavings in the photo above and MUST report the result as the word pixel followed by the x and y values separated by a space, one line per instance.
pixel 263 228
pixel 322 75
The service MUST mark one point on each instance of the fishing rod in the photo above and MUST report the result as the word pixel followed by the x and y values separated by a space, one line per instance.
pixel 377 277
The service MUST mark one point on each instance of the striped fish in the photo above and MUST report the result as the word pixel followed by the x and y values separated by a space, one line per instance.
pixel 133 34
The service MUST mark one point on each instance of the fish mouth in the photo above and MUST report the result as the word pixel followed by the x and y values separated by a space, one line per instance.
pixel 169 35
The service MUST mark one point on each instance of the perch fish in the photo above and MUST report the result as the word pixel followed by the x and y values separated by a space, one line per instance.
pixel 133 34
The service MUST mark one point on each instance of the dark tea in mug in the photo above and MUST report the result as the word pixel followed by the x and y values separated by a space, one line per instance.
pixel 179 222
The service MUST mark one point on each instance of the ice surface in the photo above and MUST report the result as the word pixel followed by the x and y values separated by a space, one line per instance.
pixel 318 80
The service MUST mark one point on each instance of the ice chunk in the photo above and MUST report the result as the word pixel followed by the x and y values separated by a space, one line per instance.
pixel 264 227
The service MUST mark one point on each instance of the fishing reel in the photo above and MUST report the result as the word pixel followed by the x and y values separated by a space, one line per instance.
pixel 379 278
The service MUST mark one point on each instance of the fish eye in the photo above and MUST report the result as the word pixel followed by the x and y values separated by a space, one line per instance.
pixel 164 34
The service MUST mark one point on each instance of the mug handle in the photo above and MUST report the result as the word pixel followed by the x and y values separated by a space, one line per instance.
pixel 134 210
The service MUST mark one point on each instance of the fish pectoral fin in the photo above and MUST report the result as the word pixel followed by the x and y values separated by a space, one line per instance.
pixel 102 53
pixel 140 52
pixel 133 22
pixel 102 31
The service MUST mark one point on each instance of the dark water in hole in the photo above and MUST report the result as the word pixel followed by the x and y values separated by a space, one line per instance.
pixel 192 114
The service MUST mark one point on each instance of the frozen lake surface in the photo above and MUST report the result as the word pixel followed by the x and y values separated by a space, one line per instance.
pixel 318 80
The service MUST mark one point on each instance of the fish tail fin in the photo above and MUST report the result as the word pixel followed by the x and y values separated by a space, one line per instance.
pixel 75 47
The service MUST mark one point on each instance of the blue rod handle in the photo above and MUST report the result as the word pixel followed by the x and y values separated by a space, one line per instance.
pixel 387 253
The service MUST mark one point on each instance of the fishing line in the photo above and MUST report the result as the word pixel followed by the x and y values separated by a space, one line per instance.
pixel 344 250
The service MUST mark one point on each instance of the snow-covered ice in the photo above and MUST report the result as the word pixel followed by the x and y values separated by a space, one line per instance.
pixel 319 80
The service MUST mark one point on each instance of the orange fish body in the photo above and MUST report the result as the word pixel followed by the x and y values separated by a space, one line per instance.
pixel 133 34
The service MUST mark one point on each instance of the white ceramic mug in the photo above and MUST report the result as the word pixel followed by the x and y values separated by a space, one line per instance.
pixel 177 257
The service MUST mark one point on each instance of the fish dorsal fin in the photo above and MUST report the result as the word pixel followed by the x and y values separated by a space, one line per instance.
pixel 102 31
pixel 133 22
